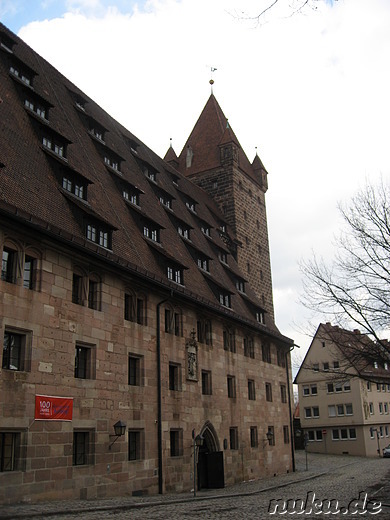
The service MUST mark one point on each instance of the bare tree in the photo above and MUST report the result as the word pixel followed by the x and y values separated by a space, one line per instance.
pixel 290 8
pixel 353 291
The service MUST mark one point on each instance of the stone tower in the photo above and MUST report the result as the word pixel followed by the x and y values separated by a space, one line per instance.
pixel 213 158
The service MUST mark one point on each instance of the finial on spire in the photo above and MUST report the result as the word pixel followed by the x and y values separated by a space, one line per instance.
pixel 213 69
pixel 256 149
pixel 170 142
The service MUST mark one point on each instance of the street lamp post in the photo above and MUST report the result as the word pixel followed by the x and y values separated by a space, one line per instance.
pixel 197 443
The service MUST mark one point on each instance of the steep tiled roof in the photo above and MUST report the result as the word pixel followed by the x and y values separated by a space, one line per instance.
pixel 107 160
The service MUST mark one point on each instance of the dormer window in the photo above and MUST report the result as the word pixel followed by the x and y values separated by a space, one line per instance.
pixel 111 162
pixel 150 173
pixel 240 285
pixel 151 231
pixel 184 231
pixel 175 274
pixel 260 317
pixel 75 186
pixel 99 235
pixel 6 43
pixel 191 205
pixel 131 196
pixel 206 230
pixel 97 132
pixel 166 201
pixel 224 299
pixel 37 108
pixel 203 263
pixel 54 145
pixel 223 257
pixel 22 75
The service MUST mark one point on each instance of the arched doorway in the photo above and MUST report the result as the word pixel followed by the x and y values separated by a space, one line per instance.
pixel 210 468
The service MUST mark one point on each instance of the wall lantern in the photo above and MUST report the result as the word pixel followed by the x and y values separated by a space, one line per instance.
pixel 119 429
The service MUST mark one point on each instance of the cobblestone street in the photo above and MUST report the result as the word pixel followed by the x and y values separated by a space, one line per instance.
pixel 340 478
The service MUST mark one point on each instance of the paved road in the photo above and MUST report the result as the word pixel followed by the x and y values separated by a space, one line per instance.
pixel 342 479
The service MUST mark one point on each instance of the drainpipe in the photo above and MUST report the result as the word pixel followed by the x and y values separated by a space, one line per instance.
pixel 290 413
pixel 159 400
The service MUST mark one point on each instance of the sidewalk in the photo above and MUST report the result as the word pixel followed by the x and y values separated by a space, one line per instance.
pixel 318 465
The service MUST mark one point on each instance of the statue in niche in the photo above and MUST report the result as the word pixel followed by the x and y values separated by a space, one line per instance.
pixel 192 358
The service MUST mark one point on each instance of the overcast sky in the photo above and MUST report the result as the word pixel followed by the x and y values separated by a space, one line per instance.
pixel 310 91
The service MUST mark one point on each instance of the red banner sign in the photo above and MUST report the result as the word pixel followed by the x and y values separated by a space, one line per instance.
pixel 48 408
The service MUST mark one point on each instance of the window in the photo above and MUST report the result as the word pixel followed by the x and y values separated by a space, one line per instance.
pixel 335 435
pixel 77 289
pixel 314 412
pixel 175 274
pixel 20 74
pixel 76 186
pixel 112 162
pixel 135 370
pixel 135 308
pixel 36 107
pixel 224 299
pixel 94 293
pixel 223 257
pixel 135 444
pixel 286 435
pixel 55 146
pixel 340 409
pixel 151 231
pixel 99 235
pixel 174 376
pixel 381 408
pixel 84 361
pixel 251 390
pixel 336 364
pixel 338 387
pixel 326 367
pixel 204 332
pixel 266 352
pixel 375 364
pixel 9 451
pixel 29 272
pixel 206 382
pixel 173 322
pixel 176 442
pixel 386 407
pixel 347 386
pixel 352 433
pixel 8 266
pixel 191 205
pixel 203 263
pixel 249 348
pixel 233 438
pixel 369 386
pixel 268 392
pixel 348 409
pixel 231 386
pixel 283 393
pixel 344 434
pixel 82 448
pixel 229 340
pixel 240 286
pixel 316 367
pixel 378 387
pixel 332 410
pixel 205 229
pixel 16 350
pixel 281 358
pixel 371 408
pixel 254 437
pixel 166 201
pixel 184 231
pixel 313 389
pixel 260 317
pixel 318 435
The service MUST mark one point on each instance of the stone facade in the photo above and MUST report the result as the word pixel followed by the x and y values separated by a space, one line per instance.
pixel 115 301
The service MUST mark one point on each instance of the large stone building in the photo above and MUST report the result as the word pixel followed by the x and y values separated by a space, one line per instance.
pixel 344 394
pixel 134 292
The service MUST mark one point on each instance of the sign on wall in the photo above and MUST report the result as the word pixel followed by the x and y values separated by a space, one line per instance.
pixel 49 408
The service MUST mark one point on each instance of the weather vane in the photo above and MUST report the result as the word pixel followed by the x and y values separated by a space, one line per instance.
pixel 213 69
